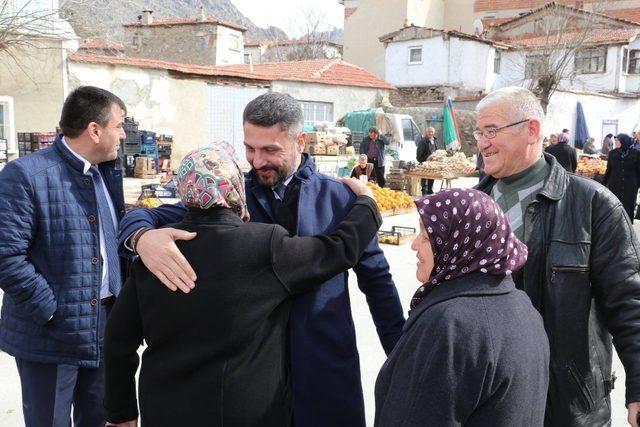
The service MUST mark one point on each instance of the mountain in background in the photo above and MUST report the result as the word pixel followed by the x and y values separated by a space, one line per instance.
pixel 104 19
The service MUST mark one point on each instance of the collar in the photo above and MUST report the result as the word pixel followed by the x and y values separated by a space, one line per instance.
pixel 213 215
pixel 553 189
pixel 472 285
pixel 86 164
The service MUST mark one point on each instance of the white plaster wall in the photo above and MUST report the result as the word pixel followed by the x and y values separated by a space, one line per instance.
pixel 224 54
pixel 513 69
pixel 455 62
pixel 561 113
pixel 36 83
pixel 343 98
pixel 157 101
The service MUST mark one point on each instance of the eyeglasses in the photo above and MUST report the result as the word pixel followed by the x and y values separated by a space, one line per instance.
pixel 490 133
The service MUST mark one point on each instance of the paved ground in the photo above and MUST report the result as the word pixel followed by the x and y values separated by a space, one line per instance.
pixel 402 261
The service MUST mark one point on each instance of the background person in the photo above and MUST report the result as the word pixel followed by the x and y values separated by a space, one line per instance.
pixel 607 144
pixel 216 356
pixel 364 168
pixel 473 348
pixel 373 146
pixel 590 147
pixel 426 147
pixel 623 173
pixel 565 154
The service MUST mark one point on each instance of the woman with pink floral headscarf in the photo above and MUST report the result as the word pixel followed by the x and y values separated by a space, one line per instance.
pixel 473 351
pixel 216 356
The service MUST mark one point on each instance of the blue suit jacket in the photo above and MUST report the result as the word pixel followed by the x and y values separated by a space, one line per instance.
pixel 49 257
pixel 323 355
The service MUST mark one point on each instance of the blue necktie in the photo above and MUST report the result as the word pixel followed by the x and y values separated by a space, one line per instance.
pixel 109 232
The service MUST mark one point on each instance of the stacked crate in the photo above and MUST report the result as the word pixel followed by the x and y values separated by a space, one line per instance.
pixel 130 147
pixel 28 142
pixel 149 146
pixel 165 144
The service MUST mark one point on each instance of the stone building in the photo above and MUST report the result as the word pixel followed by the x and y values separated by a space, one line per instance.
pixel 203 40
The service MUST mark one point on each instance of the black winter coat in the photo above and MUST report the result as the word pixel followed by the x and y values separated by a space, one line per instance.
pixel 380 144
pixel 426 148
pixel 583 275
pixel 623 177
pixel 217 356
pixel 565 154
pixel 472 353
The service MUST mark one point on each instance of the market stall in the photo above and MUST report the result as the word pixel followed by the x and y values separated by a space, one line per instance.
pixel 442 166
pixel 591 166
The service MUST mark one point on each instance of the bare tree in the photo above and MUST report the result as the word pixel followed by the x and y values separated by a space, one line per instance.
pixel 556 50
pixel 311 38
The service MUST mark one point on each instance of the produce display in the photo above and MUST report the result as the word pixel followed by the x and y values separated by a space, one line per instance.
pixel 388 199
pixel 441 164
pixel 397 235
pixel 591 166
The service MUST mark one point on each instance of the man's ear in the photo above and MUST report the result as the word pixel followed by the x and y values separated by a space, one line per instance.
pixel 93 130
pixel 301 141
pixel 534 129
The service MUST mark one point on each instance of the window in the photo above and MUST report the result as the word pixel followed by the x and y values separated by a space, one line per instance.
pixel 136 41
pixel 407 130
pixel 201 43
pixel 317 112
pixel 496 62
pixel 534 66
pixel 415 55
pixel 234 42
pixel 247 58
pixel 591 60
pixel 633 59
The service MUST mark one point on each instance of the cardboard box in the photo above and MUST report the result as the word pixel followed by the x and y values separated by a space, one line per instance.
pixel 332 150
pixel 317 137
pixel 318 149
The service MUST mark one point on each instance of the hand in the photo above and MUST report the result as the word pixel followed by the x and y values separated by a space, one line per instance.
pixel 357 186
pixel 132 423
pixel 161 256
pixel 633 413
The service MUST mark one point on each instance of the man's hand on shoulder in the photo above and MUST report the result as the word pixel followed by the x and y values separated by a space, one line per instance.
pixel 358 187
pixel 159 253
pixel 634 409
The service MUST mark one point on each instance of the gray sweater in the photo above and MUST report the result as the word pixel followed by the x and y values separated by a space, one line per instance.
pixel 473 353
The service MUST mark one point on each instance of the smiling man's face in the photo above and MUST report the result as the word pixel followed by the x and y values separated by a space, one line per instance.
pixel 513 149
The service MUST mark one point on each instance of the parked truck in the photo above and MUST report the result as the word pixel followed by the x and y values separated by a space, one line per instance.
pixel 402 132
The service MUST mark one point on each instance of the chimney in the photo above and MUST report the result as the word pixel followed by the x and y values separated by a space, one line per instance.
pixel 147 17
pixel 406 22
pixel 203 16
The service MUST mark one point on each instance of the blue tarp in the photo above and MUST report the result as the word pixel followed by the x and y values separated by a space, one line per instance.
pixel 582 133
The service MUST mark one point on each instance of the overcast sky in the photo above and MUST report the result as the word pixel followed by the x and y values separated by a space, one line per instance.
pixel 286 13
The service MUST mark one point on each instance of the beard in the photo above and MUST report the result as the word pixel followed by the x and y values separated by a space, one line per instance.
pixel 275 179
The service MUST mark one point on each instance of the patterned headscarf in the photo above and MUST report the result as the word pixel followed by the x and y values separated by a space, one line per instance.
pixel 210 176
pixel 468 233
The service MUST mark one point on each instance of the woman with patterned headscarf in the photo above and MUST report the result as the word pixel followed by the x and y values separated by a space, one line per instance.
pixel 623 172
pixel 473 351
pixel 216 356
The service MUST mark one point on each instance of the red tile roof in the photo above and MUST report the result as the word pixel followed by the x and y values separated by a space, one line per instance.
pixel 186 21
pixel 495 5
pixel 101 44
pixel 595 37
pixel 491 22
pixel 320 71
pixel 632 14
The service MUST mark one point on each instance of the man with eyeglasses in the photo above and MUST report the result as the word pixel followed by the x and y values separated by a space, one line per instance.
pixel 583 268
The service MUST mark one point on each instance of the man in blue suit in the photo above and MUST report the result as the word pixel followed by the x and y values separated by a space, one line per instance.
pixel 284 187
pixel 59 264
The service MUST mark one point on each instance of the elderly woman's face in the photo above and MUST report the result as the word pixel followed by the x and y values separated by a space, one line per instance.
pixel 422 245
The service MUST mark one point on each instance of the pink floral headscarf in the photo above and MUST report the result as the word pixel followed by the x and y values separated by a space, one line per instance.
pixel 210 176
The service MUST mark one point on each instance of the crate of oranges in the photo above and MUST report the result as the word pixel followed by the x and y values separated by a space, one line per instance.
pixel 397 235
pixel 391 202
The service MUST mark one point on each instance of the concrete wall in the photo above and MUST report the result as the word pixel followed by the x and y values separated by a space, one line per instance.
pixel 37 84
pixel 454 62
pixel 372 19
pixel 159 102
pixel 459 15
pixel 344 99
pixel 513 72
pixel 225 54
pixel 561 113
pixel 200 44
